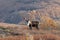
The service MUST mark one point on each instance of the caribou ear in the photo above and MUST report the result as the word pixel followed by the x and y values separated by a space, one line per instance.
pixel 24 19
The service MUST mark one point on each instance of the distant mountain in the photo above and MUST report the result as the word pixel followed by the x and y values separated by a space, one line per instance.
pixel 11 11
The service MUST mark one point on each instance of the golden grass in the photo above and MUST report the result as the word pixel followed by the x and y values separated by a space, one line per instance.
pixel 40 34
pixel 35 37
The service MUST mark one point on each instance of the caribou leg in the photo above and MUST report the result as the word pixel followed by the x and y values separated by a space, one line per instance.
pixel 37 27
pixel 30 26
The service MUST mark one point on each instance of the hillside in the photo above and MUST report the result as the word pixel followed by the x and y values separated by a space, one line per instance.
pixel 13 26
pixel 10 9
pixel 22 32
pixel 46 17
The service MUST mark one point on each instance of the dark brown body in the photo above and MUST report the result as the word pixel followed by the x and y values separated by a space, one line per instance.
pixel 34 24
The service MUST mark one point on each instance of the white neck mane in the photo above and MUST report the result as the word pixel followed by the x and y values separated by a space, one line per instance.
pixel 29 22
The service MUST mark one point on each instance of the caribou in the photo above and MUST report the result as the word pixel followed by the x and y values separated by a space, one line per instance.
pixel 32 23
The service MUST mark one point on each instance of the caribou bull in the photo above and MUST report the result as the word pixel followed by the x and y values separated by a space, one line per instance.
pixel 32 24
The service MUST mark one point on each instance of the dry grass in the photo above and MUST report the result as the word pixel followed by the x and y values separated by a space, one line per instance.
pixel 35 37
pixel 41 34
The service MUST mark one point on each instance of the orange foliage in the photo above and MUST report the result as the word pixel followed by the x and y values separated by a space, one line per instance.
pixel 47 21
